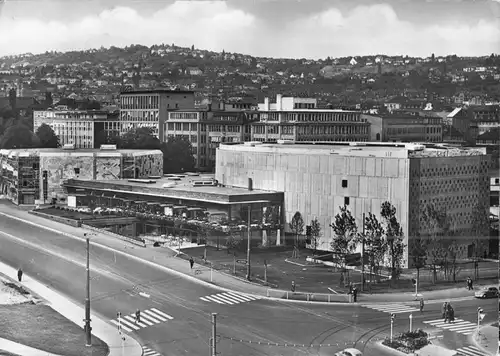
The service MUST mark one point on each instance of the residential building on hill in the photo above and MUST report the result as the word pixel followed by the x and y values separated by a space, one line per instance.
pixel 318 179
pixel 402 102
pixel 149 108
pixel 299 119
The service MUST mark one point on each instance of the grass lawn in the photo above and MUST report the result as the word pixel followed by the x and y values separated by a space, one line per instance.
pixel 40 327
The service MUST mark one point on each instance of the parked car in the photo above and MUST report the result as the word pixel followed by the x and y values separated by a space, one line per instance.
pixel 487 292
pixel 349 352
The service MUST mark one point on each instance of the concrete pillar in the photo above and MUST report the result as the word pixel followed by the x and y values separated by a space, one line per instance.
pixel 279 97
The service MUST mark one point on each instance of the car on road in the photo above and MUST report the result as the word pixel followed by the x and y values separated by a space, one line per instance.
pixel 487 292
pixel 349 352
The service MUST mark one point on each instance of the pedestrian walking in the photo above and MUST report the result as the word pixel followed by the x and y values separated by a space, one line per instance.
pixel 191 262
pixel 137 316
pixel 293 287
pixel 444 309
pixel 20 274
pixel 421 305
pixel 342 279
pixel 469 284
pixel 355 294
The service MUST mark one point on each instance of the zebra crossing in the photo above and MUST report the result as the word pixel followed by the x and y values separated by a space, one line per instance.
pixel 146 351
pixel 459 326
pixel 229 298
pixel 149 317
pixel 396 308
pixel 470 351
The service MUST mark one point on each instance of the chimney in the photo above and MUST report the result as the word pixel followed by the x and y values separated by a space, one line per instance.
pixel 278 102
pixel 250 184
pixel 266 104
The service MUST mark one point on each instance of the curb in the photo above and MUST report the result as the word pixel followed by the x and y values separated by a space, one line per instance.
pixel 394 351
pixel 476 343
pixel 37 298
pixel 96 317
pixel 168 269
pixel 194 279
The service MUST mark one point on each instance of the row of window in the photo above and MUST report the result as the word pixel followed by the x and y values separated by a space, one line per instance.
pixel 311 117
pixel 140 102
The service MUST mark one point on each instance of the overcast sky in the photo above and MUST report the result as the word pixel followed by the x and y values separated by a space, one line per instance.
pixel 272 28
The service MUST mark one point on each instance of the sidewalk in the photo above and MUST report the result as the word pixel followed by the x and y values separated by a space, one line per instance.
pixel 487 339
pixel 20 349
pixel 75 313
pixel 165 258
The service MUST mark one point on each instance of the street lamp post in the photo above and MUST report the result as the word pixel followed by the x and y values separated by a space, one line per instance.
pixel 248 242
pixel 363 256
pixel 88 329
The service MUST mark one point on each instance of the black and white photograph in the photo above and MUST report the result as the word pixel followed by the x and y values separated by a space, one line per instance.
pixel 249 177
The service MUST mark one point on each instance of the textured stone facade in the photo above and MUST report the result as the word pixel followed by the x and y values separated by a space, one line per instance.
pixel 317 180
pixel 39 179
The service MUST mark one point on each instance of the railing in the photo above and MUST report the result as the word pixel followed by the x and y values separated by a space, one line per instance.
pixel 308 297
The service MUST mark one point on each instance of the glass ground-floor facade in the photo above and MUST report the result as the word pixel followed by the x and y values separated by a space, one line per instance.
pixel 210 221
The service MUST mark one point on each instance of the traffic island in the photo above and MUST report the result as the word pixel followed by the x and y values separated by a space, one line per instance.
pixel 408 342
pixel 27 322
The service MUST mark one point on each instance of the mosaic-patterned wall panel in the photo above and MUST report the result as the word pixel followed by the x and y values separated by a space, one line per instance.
pixel 149 165
pixel 64 167
pixel 107 168
pixel 455 185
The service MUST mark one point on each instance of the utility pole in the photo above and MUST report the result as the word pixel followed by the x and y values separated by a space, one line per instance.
pixel 363 256
pixel 88 329
pixel 213 351
pixel 248 242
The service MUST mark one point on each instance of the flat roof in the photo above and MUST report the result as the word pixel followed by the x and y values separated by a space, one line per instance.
pixel 157 91
pixel 366 149
pixel 35 151
pixel 180 189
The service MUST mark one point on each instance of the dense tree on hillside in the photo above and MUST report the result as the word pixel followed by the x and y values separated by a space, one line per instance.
pixel 177 155
pixel 47 137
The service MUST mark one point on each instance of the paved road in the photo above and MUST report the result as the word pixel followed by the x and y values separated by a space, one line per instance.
pixel 183 318
pixel 176 316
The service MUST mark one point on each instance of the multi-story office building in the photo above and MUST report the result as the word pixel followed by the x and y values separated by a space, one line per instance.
pixel 318 179
pixel 72 126
pixel 299 119
pixel 149 108
pixel 206 129
pixel 405 127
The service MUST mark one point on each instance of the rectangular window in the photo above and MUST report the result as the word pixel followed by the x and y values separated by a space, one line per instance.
pixel 77 170
pixel 346 200
pixel 344 183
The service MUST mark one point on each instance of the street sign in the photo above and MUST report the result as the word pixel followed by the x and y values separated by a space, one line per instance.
pixel 243 262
